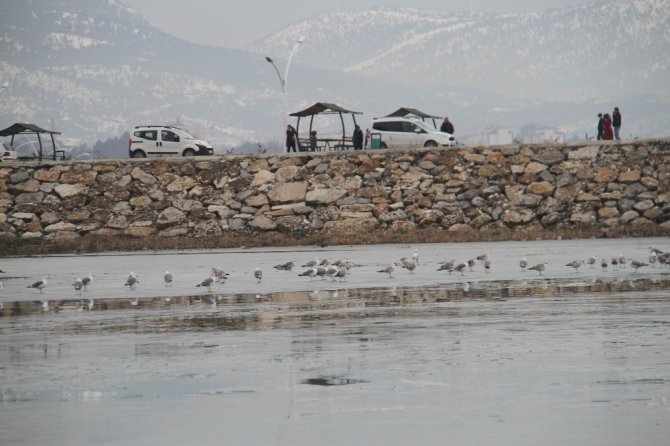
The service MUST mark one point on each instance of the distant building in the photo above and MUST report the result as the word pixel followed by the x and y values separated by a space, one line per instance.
pixel 543 134
pixel 490 136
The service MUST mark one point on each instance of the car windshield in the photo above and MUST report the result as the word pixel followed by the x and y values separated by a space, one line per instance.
pixel 424 125
pixel 183 134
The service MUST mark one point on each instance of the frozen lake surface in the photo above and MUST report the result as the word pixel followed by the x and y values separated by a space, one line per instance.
pixel 506 357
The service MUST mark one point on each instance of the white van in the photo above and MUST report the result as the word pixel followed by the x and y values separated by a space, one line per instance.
pixel 409 133
pixel 156 140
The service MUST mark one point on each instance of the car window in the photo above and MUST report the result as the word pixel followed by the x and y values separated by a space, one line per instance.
pixel 408 127
pixel 151 135
pixel 382 126
pixel 167 135
pixel 390 126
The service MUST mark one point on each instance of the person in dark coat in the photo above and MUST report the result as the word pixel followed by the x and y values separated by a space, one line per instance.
pixel 447 126
pixel 357 138
pixel 616 122
pixel 601 126
pixel 291 137
pixel 608 134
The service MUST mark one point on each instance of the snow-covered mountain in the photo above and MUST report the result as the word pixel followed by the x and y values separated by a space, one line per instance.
pixel 572 53
pixel 95 68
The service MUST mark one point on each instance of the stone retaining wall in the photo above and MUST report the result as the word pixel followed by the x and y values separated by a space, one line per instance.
pixel 459 190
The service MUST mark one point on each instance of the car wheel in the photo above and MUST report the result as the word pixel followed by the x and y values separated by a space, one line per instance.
pixel 383 145
pixel 430 144
pixel 189 152
pixel 138 154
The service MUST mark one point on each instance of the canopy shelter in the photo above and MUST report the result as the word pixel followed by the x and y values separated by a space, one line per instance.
pixel 30 129
pixel 414 113
pixel 325 108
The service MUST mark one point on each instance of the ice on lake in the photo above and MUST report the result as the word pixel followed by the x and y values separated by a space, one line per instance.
pixel 505 357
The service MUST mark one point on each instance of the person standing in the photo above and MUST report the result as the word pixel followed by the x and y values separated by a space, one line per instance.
pixel 357 138
pixel 608 135
pixel 447 126
pixel 290 138
pixel 601 126
pixel 616 122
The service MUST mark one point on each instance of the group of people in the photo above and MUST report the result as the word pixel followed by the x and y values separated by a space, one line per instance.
pixel 292 143
pixel 609 126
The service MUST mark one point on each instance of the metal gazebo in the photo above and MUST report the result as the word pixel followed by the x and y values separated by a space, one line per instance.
pixel 327 108
pixel 30 129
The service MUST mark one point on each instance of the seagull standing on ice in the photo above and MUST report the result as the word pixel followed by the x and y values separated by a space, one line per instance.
pixel 342 272
pixel 331 271
pixel 409 265
pixel 288 266
pixel 388 270
pixel 540 267
pixel 131 281
pixel 168 278
pixel 310 272
pixel 258 274
pixel 86 281
pixel 78 285
pixel 523 264
pixel 40 284
pixel 652 259
pixel 460 268
pixel 207 283
pixel 637 264
pixel 415 256
pixel 448 266
pixel 576 264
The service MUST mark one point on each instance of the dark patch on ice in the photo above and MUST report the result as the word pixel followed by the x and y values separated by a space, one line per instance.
pixel 332 381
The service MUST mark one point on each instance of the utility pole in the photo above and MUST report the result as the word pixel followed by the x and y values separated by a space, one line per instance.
pixel 283 82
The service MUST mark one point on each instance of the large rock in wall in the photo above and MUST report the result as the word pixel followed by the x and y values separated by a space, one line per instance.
pixel 459 190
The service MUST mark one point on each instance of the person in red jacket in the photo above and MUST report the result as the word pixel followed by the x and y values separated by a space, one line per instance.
pixel 608 133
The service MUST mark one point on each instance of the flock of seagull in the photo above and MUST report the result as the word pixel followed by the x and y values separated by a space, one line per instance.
pixel 339 269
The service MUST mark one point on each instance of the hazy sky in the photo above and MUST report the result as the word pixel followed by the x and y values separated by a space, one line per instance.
pixel 240 22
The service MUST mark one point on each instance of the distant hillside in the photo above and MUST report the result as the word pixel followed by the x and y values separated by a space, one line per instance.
pixel 96 69
pixel 572 53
